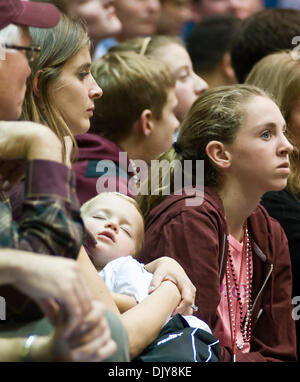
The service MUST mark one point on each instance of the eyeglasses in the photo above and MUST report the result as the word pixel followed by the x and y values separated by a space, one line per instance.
pixel 32 52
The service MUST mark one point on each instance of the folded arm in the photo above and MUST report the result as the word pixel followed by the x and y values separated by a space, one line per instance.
pixel 144 321
pixel 50 221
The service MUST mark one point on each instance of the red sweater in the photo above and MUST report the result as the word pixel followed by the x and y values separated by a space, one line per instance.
pixel 92 149
pixel 197 238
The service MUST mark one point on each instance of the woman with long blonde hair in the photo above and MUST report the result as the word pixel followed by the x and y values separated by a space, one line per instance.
pixel 234 253
pixel 61 89
pixel 279 75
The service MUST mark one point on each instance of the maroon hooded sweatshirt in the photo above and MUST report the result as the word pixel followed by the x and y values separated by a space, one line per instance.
pixel 197 238
pixel 94 153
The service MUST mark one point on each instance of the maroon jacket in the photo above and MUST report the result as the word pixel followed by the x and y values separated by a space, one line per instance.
pixel 197 238
pixel 92 149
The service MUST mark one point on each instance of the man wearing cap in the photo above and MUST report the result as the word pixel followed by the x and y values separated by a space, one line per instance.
pixel 50 222
pixel 22 14
pixel 32 144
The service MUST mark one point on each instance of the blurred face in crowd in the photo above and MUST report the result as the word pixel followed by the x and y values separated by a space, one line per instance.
pixel 294 123
pixel 237 8
pixel 14 71
pixel 164 128
pixel 174 14
pixel 101 18
pixel 188 84
pixel 74 92
pixel 138 17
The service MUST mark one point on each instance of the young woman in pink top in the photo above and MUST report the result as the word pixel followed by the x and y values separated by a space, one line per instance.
pixel 235 254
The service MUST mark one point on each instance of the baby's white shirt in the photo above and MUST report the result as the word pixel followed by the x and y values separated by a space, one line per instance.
pixel 125 275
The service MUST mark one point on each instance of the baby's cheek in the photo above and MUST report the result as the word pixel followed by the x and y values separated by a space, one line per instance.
pixel 127 248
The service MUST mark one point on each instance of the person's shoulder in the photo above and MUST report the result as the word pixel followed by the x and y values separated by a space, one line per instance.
pixel 93 148
pixel 187 206
pixel 284 196
pixel 94 142
pixel 265 224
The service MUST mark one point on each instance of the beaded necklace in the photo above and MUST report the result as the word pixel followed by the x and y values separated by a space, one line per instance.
pixel 245 321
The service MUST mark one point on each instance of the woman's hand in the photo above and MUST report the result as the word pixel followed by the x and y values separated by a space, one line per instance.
pixel 166 268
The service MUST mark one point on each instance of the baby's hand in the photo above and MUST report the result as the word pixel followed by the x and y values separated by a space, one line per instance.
pixel 165 268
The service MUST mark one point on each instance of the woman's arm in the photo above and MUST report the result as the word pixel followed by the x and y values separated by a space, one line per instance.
pixel 124 302
pixel 145 320
pixel 49 192
pixel 95 283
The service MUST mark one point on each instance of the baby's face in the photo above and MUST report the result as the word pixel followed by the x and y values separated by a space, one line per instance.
pixel 116 226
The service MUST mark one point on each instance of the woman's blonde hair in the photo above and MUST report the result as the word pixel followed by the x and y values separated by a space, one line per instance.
pixel 216 115
pixel 279 75
pixel 58 45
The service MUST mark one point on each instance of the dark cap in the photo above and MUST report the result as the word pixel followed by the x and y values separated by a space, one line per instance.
pixel 27 13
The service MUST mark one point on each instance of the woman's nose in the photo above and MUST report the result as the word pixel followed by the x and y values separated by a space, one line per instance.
pixel 95 90
pixel 286 146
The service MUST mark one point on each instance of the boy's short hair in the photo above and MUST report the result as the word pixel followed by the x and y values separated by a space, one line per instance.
pixel 131 83
pixel 261 34
pixel 88 205
pixel 209 41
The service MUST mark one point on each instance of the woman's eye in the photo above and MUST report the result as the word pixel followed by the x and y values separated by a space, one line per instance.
pixel 83 75
pixel 266 134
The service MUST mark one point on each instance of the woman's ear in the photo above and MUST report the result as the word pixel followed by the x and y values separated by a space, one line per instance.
pixel 216 152
pixel 35 83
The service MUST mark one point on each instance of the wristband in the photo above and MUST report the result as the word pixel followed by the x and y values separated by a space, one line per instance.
pixel 26 356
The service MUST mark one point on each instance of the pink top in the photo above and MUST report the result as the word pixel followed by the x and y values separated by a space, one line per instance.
pixel 224 333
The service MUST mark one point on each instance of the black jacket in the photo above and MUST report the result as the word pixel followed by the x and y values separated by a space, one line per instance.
pixel 284 207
